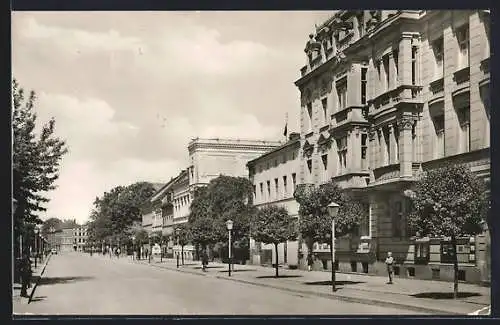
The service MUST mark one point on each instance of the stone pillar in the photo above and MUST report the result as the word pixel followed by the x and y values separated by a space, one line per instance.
pixel 372 80
pixel 405 59
pixel 350 162
pixel 392 145
pixel 378 78
pixel 405 146
pixel 372 163
pixel 392 72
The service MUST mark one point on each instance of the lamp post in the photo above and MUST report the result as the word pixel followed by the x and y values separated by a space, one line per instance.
pixel 229 225
pixel 36 245
pixel 333 209
pixel 177 253
pixel 133 247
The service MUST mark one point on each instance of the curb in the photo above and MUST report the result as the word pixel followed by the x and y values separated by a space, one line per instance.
pixel 28 299
pixel 332 296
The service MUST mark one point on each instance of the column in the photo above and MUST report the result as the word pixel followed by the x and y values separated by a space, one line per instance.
pixel 378 78
pixel 404 61
pixel 350 162
pixel 392 72
pixel 392 145
pixel 371 153
pixel 405 146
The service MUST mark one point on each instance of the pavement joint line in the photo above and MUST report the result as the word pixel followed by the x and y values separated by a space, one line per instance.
pixel 320 294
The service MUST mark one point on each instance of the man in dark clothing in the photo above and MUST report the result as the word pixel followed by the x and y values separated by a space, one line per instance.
pixel 204 261
pixel 25 275
pixel 310 261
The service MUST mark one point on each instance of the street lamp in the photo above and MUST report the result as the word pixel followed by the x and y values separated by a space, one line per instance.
pixel 133 247
pixel 177 253
pixel 36 244
pixel 229 225
pixel 333 210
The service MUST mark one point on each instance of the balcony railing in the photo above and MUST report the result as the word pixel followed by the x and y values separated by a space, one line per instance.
pixel 396 96
pixel 387 172
pixel 437 86
pixel 461 76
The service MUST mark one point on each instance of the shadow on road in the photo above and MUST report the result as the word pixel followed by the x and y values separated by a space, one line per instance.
pixel 445 295
pixel 329 283
pixel 279 277
pixel 57 280
pixel 209 267
pixel 38 298
pixel 243 270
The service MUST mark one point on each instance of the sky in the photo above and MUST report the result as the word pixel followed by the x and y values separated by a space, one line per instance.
pixel 129 90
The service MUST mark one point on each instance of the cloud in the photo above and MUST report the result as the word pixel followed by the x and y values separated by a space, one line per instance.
pixel 72 40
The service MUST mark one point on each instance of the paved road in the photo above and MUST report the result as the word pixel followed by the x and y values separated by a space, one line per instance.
pixel 80 284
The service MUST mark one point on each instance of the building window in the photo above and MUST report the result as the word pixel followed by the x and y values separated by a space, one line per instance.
pixel 309 114
pixel 413 65
pixel 284 158
pixel 385 62
pixel 261 191
pixel 364 147
pixel 363 85
pixel 387 153
pixel 294 180
pixel 397 219
pixel 395 55
pixel 364 227
pixel 463 45
pixel 309 166
pixel 414 142
pixel 254 192
pixel 293 155
pixel 284 185
pixel 324 160
pixel 447 254
pixel 342 94
pixel 342 153
pixel 438 49
pixel 438 122
pixel 276 188
pixel 396 140
pixel 421 253
pixel 324 103
pixel 465 134
pixel 268 190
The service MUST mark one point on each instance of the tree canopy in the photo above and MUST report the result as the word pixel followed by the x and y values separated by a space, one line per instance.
pixel 448 201
pixel 36 158
pixel 224 198
pixel 115 212
pixel 315 224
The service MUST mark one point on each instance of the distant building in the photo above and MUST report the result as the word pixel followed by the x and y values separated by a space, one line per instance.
pixel 70 239
pixel 209 158
pixel 274 176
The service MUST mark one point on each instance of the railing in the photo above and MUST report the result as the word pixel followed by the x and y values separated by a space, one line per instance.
pixel 461 76
pixel 395 96
pixel 386 172
pixel 437 86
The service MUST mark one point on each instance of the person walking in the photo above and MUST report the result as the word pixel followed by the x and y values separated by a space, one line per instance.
pixel 389 261
pixel 26 273
pixel 310 261
pixel 204 261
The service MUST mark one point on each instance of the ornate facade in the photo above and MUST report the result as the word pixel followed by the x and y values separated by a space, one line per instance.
pixel 385 95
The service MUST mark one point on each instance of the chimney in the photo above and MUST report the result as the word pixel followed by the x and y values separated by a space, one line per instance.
pixel 294 136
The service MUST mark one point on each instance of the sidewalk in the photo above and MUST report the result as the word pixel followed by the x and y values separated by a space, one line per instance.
pixel 37 273
pixel 434 297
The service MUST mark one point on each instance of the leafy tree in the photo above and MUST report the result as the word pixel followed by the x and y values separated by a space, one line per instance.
pixel 183 237
pixel 116 211
pixel 49 224
pixel 315 224
pixel 224 198
pixel 35 161
pixel 273 225
pixel 69 224
pixel 448 202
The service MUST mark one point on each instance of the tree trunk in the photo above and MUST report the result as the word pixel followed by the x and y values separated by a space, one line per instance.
pixel 276 262
pixel 182 254
pixel 455 267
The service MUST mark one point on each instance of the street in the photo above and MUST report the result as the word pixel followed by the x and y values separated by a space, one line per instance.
pixel 79 284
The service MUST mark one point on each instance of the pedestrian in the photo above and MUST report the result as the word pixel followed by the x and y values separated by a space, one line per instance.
pixel 26 273
pixel 389 261
pixel 310 261
pixel 118 252
pixel 204 261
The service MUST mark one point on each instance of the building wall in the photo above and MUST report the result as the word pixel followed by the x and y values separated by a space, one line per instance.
pixel 408 88
pixel 274 176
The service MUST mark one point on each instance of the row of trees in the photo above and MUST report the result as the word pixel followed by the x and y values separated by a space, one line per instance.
pixel 36 158
pixel 117 212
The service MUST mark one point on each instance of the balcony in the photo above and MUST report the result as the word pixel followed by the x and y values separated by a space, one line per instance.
pixel 391 173
pixel 405 94
pixel 437 86
pixel 461 76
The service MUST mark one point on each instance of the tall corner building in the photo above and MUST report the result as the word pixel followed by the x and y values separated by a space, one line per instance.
pixel 386 94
